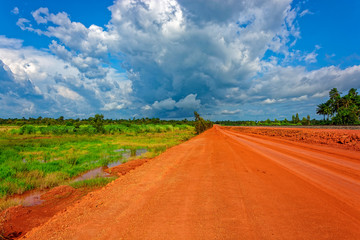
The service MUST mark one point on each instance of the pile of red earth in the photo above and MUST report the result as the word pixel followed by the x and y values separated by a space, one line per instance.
pixel 343 138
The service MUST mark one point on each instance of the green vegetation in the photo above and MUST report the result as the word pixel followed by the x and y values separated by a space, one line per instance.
pixel 91 130
pixel 96 122
pixel 92 183
pixel 342 110
pixel 295 121
pixel 201 125
pixel 41 156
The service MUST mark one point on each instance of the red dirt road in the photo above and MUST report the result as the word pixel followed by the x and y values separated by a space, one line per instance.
pixel 224 184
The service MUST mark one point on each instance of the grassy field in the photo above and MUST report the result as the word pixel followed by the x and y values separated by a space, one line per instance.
pixel 39 157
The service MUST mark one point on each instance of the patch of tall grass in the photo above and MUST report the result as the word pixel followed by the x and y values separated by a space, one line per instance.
pixel 92 183
pixel 30 159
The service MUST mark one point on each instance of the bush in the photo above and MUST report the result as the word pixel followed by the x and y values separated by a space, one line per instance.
pixel 201 125
pixel 87 130
pixel 27 129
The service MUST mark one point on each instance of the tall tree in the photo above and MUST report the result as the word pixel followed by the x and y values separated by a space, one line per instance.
pixel 344 110
pixel 98 123
pixel 321 109
pixel 334 95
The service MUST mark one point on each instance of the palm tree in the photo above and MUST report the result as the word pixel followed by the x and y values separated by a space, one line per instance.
pixel 334 95
pixel 345 101
pixel 321 109
pixel 353 93
pixel 327 109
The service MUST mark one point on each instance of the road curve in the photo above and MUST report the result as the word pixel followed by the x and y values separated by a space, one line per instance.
pixel 223 184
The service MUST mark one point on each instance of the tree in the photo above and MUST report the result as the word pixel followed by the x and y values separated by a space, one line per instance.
pixel 328 110
pixel 321 109
pixel 334 95
pixel 98 123
pixel 304 121
pixel 346 116
pixel 200 124
pixel 344 110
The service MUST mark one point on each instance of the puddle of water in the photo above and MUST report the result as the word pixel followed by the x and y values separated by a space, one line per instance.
pixel 120 150
pixel 97 172
pixel 100 171
pixel 127 153
pixel 33 198
pixel 114 164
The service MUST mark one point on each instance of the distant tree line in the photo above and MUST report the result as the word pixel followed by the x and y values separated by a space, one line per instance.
pixel 295 121
pixel 341 110
pixel 97 121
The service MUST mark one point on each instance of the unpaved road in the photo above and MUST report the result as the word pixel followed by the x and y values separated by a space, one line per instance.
pixel 224 185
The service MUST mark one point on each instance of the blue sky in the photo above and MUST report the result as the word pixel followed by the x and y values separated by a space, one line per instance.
pixel 237 60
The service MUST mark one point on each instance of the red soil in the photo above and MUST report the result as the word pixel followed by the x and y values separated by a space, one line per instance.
pixel 340 138
pixel 223 184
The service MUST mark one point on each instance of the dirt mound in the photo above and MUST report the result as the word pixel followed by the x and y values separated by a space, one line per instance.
pixel 341 138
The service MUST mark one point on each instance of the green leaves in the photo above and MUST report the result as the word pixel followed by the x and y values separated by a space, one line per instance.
pixel 201 125
pixel 345 110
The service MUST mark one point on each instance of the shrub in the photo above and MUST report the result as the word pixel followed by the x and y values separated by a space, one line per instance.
pixel 200 124
pixel 27 129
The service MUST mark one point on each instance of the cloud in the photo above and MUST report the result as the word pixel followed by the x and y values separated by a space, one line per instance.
pixel 269 101
pixel 185 107
pixel 229 112
pixel 189 102
pixel 113 106
pixel 301 98
pixel 15 10
pixel 305 12
pixel 311 57
pixel 216 51
pixel 10 42
pixel 68 93
pixel 48 85
pixel 167 104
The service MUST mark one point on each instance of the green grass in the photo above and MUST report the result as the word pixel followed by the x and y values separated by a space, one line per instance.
pixel 92 183
pixel 39 161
